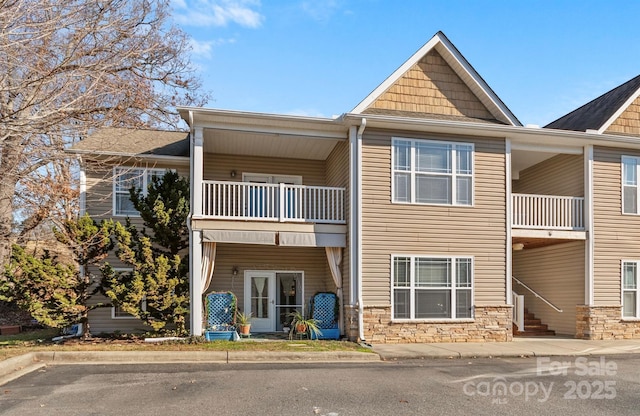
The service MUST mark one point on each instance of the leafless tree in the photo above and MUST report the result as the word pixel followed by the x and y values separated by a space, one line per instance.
pixel 68 67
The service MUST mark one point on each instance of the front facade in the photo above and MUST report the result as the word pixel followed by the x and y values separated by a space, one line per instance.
pixel 430 211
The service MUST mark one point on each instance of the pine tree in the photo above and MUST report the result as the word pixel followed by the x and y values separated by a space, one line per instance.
pixel 57 293
pixel 156 290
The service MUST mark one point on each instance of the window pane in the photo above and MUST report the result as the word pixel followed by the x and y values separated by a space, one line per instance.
pixel 463 160
pixel 401 303
pixel 127 178
pixel 402 187
pixel 433 158
pixel 433 189
pixel 124 206
pixel 402 155
pixel 463 303
pixel 433 304
pixel 463 272
pixel 463 190
pixel 629 304
pixel 630 198
pixel 630 281
pixel 433 272
pixel 401 271
pixel 629 173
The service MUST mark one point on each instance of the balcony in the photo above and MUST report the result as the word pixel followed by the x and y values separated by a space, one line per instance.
pixel 547 212
pixel 273 202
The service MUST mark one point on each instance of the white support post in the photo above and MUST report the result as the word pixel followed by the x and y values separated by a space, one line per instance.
pixel 195 286
pixel 281 194
pixel 588 225
pixel 197 168
pixel 509 223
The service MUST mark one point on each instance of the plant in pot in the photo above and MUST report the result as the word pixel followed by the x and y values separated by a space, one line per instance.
pixel 302 325
pixel 243 322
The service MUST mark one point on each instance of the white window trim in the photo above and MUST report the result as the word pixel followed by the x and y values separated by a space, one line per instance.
pixel 145 170
pixel 453 174
pixel 269 178
pixel 637 290
pixel 412 286
pixel 113 308
pixel 622 185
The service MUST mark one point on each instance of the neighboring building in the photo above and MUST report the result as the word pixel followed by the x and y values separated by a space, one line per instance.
pixel 417 207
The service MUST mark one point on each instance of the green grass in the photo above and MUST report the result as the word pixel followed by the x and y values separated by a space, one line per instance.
pixel 13 345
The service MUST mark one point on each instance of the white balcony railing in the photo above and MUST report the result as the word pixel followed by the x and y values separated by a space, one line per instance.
pixel 273 202
pixel 547 212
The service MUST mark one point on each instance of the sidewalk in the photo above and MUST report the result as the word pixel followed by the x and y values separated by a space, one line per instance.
pixel 519 347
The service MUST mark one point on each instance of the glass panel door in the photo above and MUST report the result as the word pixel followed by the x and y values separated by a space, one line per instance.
pixel 289 296
pixel 259 289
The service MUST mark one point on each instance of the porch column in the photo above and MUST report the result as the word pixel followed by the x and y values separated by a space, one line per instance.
pixel 197 167
pixel 195 283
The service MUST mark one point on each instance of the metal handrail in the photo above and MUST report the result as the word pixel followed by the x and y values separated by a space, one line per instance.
pixel 536 294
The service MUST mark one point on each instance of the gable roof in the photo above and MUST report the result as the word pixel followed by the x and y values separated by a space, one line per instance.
pixel 439 46
pixel 601 112
pixel 134 142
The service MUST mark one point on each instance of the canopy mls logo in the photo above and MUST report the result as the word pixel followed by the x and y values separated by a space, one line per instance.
pixel 588 386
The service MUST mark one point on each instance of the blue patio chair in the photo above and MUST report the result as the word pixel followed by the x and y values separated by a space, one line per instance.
pixel 220 309
pixel 325 310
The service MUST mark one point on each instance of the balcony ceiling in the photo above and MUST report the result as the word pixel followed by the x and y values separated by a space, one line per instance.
pixel 281 145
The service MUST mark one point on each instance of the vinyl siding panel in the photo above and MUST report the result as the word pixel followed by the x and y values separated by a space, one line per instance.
pixel 616 236
pixel 392 228
pixel 561 175
pixel 310 260
pixel 218 167
pixel 557 273
pixel 337 168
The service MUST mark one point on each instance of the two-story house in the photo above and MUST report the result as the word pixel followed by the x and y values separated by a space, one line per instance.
pixel 429 209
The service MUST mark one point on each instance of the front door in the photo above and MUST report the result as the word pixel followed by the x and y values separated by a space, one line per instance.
pixel 270 296
pixel 259 300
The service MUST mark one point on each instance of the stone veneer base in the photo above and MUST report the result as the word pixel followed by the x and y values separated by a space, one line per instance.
pixel 604 322
pixel 490 324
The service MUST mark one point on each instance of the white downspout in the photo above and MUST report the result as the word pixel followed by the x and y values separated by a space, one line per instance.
pixel 358 194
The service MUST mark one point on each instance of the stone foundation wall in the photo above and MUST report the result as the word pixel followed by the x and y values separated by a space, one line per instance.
pixel 604 322
pixel 491 323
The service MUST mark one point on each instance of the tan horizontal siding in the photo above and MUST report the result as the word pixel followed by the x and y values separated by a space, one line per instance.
pixel 557 273
pixel 615 235
pixel 477 231
pixel 218 167
pixel 337 168
pixel 561 175
pixel 310 260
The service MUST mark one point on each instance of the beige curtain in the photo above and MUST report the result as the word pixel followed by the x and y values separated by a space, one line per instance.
pixel 334 257
pixel 208 261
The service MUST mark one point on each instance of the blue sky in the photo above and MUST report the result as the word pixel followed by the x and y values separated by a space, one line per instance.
pixel 322 57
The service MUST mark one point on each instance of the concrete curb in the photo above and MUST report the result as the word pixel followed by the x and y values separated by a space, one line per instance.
pixel 15 367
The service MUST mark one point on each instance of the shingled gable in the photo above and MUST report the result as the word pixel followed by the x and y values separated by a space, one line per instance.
pixel 617 111
pixel 437 82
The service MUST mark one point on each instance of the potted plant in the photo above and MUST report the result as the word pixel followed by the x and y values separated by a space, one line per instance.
pixel 302 325
pixel 243 322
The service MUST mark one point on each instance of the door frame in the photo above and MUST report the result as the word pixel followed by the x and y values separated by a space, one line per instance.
pixel 267 324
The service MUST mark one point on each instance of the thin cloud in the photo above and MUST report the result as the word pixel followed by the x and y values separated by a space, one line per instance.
pixel 207 13
pixel 204 49
pixel 320 10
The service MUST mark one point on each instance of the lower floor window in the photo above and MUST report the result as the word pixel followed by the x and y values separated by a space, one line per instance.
pixel 432 287
pixel 630 298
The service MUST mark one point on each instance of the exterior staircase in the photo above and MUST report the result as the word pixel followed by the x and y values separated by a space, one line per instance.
pixel 533 327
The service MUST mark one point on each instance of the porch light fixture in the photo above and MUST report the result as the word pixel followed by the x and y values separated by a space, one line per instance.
pixel 517 246
pixel 233 174
pixel 234 271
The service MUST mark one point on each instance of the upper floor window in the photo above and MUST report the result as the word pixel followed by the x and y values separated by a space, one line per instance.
pixel 123 179
pixel 630 192
pixel 630 290
pixel 432 172
pixel 431 287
